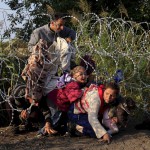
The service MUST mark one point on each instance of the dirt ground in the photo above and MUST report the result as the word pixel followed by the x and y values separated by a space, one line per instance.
pixel 129 139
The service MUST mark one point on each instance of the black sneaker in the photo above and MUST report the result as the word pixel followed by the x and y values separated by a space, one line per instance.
pixel 78 134
pixel 72 131
pixel 29 127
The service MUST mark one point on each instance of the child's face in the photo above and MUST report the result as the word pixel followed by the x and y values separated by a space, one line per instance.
pixel 114 120
pixel 80 76
pixel 109 95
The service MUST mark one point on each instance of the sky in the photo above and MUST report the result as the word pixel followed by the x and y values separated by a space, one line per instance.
pixel 4 11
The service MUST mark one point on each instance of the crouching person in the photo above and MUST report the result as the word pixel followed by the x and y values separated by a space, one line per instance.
pixel 29 112
pixel 59 100
pixel 83 114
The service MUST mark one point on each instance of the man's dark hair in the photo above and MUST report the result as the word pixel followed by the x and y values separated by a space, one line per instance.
pixel 57 16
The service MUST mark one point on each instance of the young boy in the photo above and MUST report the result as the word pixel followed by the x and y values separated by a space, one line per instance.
pixel 116 116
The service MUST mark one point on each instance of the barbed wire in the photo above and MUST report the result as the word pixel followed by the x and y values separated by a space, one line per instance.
pixel 114 44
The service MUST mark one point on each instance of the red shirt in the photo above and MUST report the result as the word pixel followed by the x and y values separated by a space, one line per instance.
pixel 63 97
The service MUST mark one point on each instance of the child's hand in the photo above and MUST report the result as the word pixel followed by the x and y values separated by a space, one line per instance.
pixel 49 129
pixel 106 137
pixel 114 120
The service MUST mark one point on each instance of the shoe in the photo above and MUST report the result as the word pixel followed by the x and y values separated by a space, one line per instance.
pixel 41 132
pixel 78 134
pixel 72 131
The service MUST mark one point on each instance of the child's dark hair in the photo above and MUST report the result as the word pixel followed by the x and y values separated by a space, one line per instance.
pixel 114 86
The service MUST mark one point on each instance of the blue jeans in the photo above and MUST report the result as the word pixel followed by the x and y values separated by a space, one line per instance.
pixel 82 120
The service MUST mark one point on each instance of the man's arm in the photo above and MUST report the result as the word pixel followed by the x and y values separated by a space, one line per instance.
pixel 68 34
pixel 33 40
pixel 45 110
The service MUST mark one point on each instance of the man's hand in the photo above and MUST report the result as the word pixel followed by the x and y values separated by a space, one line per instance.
pixel 49 129
pixel 106 137
pixel 24 114
pixel 69 40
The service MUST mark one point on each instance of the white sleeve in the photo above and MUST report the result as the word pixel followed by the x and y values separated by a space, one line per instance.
pixel 65 54
pixel 93 110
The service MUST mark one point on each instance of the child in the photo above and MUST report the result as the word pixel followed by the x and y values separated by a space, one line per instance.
pixel 71 92
pixel 110 122
pixel 60 99
pixel 85 112
pixel 117 116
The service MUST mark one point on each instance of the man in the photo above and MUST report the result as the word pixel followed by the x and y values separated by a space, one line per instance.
pixel 49 50
pixel 29 112
pixel 50 31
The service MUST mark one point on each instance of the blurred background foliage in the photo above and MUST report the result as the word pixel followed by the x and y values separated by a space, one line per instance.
pixel 34 13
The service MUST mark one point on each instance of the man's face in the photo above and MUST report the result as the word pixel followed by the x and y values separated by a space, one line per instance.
pixel 57 25
pixel 109 95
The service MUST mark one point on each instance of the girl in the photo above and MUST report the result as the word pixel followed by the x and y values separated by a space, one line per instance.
pixel 59 100
pixel 73 91
pixel 85 112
